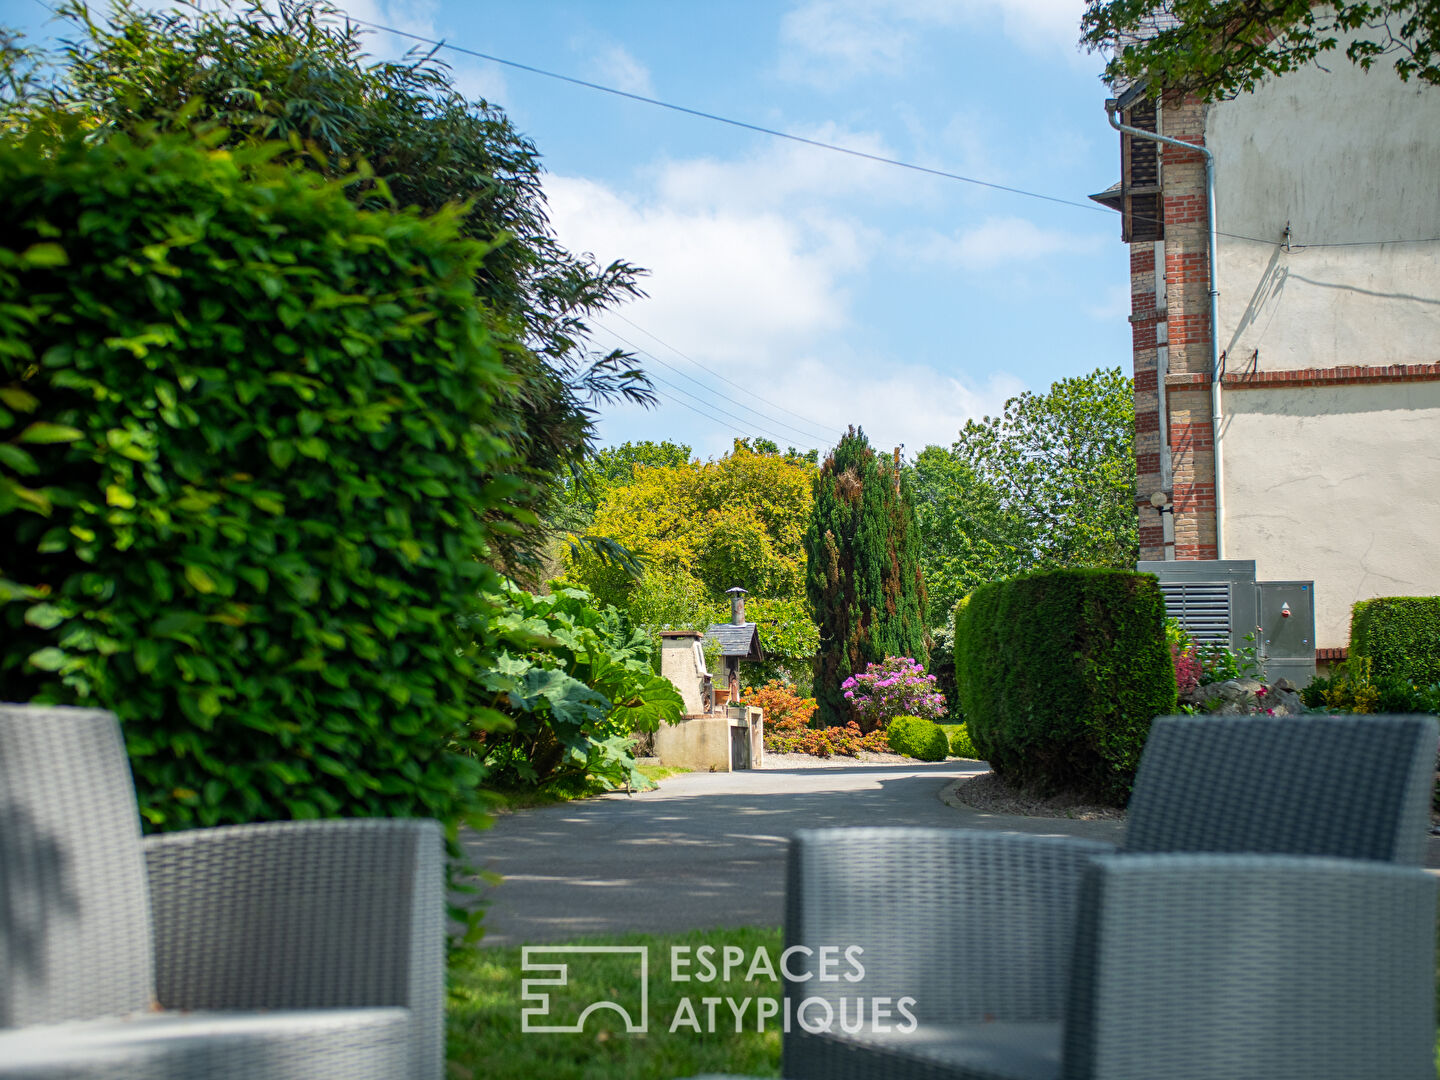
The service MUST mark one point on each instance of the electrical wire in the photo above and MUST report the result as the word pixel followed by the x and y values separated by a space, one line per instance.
pixel 709 389
pixel 820 143
pixel 717 118
pixel 749 424
pixel 718 375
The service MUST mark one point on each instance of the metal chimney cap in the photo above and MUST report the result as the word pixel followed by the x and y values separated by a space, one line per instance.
pixel 743 592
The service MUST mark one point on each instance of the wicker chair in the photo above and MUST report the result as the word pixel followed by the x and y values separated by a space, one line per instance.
pixel 1267 918
pixel 286 951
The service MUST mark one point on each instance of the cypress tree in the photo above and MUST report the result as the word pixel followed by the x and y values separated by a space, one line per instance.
pixel 862 571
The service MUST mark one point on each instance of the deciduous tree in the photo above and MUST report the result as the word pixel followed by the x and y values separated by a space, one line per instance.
pixel 1219 48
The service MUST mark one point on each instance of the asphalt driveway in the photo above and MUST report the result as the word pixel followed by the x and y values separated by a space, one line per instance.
pixel 706 850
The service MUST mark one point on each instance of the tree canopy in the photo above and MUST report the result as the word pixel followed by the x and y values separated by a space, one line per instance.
pixel 699 528
pixel 1219 48
pixel 296 74
pixel 1048 483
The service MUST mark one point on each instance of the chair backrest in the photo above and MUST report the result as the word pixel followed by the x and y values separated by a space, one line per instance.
pixel 1355 787
pixel 75 939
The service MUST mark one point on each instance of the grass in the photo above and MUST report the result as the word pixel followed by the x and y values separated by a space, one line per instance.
pixel 503 800
pixel 485 1039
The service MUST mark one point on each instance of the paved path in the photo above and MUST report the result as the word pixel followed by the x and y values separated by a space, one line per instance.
pixel 706 850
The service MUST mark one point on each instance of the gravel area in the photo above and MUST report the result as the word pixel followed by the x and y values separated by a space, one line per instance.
pixel 988 793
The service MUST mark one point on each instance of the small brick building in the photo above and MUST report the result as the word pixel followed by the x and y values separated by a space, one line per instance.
pixel 1327 189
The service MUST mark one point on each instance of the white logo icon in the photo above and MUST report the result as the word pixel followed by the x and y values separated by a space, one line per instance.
pixel 533 1015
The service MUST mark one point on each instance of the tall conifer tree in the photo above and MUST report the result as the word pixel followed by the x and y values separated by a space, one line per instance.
pixel 862 569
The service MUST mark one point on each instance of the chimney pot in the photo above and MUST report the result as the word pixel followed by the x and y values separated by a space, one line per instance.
pixel 737 605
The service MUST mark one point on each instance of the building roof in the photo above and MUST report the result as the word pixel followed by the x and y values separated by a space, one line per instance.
pixel 742 641
pixel 1111 196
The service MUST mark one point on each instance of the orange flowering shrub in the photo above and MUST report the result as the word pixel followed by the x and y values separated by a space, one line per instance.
pixel 788 730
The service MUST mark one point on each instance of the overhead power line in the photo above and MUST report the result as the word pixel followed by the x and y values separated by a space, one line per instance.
pixel 710 389
pixel 819 143
pixel 834 147
pixel 717 118
pixel 750 425
pixel 718 375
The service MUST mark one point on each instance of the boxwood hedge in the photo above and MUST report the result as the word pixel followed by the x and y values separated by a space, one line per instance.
pixel 1060 674
pixel 1400 636
pixel 248 450
pixel 914 736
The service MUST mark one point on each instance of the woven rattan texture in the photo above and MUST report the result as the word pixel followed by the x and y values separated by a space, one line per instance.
pixel 1353 787
pixel 971 925
pixel 304 915
pixel 331 1044
pixel 345 919
pixel 74 914
pixel 1252 967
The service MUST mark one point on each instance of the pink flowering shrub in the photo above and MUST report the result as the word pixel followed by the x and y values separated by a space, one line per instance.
pixel 1187 668
pixel 896 687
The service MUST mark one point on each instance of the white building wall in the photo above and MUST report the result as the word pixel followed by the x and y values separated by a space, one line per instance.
pixel 1345 157
pixel 1338 483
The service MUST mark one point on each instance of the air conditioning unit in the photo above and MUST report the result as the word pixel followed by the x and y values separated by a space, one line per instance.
pixel 1219 602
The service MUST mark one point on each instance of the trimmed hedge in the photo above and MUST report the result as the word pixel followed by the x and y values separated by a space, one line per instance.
pixel 1400 636
pixel 918 738
pixel 1060 674
pixel 249 444
pixel 960 742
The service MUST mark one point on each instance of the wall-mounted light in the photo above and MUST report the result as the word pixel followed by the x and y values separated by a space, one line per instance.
pixel 1161 502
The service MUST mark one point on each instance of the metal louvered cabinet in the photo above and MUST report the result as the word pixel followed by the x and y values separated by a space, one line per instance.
pixel 1219 602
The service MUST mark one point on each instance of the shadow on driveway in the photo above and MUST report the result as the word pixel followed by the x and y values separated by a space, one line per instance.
pixel 706 850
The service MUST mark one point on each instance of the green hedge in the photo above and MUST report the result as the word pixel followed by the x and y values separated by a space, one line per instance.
pixel 918 738
pixel 1400 636
pixel 960 742
pixel 1060 674
pixel 248 447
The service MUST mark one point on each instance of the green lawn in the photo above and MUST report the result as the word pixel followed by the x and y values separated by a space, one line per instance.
pixel 507 799
pixel 485 1039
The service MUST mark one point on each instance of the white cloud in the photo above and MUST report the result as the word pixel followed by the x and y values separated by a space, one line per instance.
pixel 752 265
pixel 614 66
pixel 998 241
pixel 709 263
pixel 829 41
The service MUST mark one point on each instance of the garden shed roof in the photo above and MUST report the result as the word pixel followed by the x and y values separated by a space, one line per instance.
pixel 742 640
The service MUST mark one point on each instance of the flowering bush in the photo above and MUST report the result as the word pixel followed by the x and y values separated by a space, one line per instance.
pixel 1187 668
pixel 788 731
pixel 896 687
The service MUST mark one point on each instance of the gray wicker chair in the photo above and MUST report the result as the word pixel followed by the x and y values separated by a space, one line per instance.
pixel 286 951
pixel 1257 924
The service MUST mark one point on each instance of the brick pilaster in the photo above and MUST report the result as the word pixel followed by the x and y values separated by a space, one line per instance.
pixel 1191 432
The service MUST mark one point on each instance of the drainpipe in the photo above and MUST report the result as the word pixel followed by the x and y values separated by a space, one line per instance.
pixel 1215 410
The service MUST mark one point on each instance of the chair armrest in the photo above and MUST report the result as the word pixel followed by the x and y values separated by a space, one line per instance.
pixel 302 915
pixel 971 925
pixel 1252 966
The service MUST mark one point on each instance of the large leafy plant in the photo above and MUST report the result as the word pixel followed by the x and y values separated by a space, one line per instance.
pixel 576 684
pixel 245 430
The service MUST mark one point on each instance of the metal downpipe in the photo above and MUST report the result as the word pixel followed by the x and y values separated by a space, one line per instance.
pixel 1212 252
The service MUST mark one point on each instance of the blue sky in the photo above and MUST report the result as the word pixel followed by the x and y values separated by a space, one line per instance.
pixel 840 290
